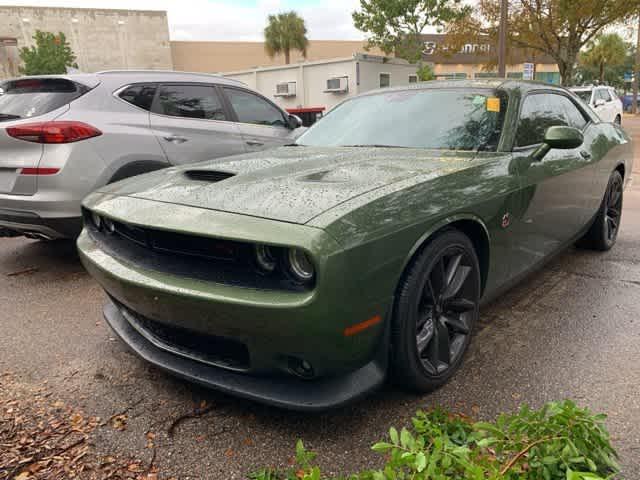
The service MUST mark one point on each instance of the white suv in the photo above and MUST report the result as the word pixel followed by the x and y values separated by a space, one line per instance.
pixel 603 100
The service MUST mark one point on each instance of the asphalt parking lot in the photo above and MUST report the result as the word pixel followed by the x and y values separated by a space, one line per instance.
pixel 571 330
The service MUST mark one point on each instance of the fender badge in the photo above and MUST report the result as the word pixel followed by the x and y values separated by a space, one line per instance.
pixel 506 220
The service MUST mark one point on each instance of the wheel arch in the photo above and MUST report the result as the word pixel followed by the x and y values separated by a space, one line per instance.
pixel 473 227
pixel 137 167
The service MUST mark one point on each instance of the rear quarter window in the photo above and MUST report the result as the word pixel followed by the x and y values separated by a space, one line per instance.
pixel 27 97
pixel 140 96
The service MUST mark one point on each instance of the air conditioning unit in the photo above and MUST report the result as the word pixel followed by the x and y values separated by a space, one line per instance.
pixel 286 89
pixel 338 85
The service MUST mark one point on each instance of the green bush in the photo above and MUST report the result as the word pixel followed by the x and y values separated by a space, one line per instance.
pixel 559 441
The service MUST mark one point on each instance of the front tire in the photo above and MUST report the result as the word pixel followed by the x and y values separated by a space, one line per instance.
pixel 618 120
pixel 435 311
pixel 604 232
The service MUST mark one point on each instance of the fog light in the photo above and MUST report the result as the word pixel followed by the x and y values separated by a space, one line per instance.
pixel 108 225
pixel 300 265
pixel 97 220
pixel 265 258
pixel 300 367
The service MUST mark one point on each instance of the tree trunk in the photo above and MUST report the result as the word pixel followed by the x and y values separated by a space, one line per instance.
pixel 566 67
pixel 287 56
pixel 601 73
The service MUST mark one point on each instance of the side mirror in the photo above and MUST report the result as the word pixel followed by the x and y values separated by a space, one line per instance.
pixel 599 102
pixel 564 138
pixel 560 137
pixel 294 121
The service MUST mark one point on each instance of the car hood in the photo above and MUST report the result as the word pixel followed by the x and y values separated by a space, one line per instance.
pixel 291 184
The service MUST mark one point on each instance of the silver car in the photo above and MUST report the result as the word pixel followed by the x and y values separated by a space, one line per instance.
pixel 63 136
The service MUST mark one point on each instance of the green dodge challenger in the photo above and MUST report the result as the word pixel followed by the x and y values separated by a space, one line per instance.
pixel 305 276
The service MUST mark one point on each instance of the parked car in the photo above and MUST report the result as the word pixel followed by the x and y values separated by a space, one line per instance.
pixel 304 276
pixel 627 103
pixel 61 137
pixel 603 100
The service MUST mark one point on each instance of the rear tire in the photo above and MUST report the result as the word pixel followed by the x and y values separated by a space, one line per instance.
pixel 604 232
pixel 435 311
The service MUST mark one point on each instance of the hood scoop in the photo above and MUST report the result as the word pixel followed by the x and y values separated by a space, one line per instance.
pixel 211 176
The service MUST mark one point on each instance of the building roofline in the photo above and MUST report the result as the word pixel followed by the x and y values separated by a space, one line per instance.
pixel 110 10
pixel 359 57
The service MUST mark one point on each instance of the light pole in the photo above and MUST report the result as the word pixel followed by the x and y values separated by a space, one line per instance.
pixel 502 40
pixel 636 67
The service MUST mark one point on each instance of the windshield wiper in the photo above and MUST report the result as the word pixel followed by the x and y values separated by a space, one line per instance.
pixel 293 145
pixel 374 145
pixel 7 116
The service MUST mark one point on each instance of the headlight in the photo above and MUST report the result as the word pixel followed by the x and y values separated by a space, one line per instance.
pixel 265 258
pixel 300 265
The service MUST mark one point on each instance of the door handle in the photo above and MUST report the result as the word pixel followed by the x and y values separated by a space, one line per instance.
pixel 586 155
pixel 175 139
pixel 253 143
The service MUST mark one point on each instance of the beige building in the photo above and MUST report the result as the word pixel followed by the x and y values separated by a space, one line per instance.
pixel 470 62
pixel 101 39
pixel 318 86
pixel 232 56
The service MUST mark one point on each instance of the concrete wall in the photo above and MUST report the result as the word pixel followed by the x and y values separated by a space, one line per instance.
pixel 9 58
pixel 311 79
pixel 214 57
pixel 100 39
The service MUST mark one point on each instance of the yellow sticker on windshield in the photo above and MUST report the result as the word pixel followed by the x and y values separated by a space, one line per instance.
pixel 493 104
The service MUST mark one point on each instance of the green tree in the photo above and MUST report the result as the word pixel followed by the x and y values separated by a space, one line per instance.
pixel 425 73
pixel 396 26
pixel 607 51
pixel 51 54
pixel 285 32
pixel 558 28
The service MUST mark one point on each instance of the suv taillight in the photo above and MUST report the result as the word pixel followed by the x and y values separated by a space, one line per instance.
pixel 53 132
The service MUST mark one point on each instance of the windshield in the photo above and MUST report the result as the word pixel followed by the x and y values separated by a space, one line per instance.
pixel 29 97
pixel 453 119
pixel 585 95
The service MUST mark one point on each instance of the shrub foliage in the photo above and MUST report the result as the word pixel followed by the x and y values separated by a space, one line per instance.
pixel 558 441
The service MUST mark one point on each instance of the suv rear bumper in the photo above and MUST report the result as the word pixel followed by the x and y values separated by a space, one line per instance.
pixel 15 223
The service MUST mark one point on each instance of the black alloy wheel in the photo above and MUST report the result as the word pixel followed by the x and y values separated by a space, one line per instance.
pixel 436 309
pixel 613 207
pixel 604 231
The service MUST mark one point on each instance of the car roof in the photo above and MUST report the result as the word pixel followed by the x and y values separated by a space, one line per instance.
pixel 123 77
pixel 492 83
pixel 166 76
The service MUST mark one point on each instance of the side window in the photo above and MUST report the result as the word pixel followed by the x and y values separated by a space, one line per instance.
pixel 251 108
pixel 603 94
pixel 539 112
pixel 139 95
pixel 575 118
pixel 385 80
pixel 189 101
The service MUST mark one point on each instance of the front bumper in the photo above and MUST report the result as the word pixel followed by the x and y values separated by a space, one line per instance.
pixel 285 392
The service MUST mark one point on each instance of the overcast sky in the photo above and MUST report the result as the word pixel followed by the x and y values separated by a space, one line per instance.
pixel 230 19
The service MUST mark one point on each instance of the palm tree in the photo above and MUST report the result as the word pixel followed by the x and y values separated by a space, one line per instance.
pixel 285 31
pixel 608 50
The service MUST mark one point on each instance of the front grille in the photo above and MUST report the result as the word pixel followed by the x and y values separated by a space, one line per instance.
pixel 204 348
pixel 200 258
